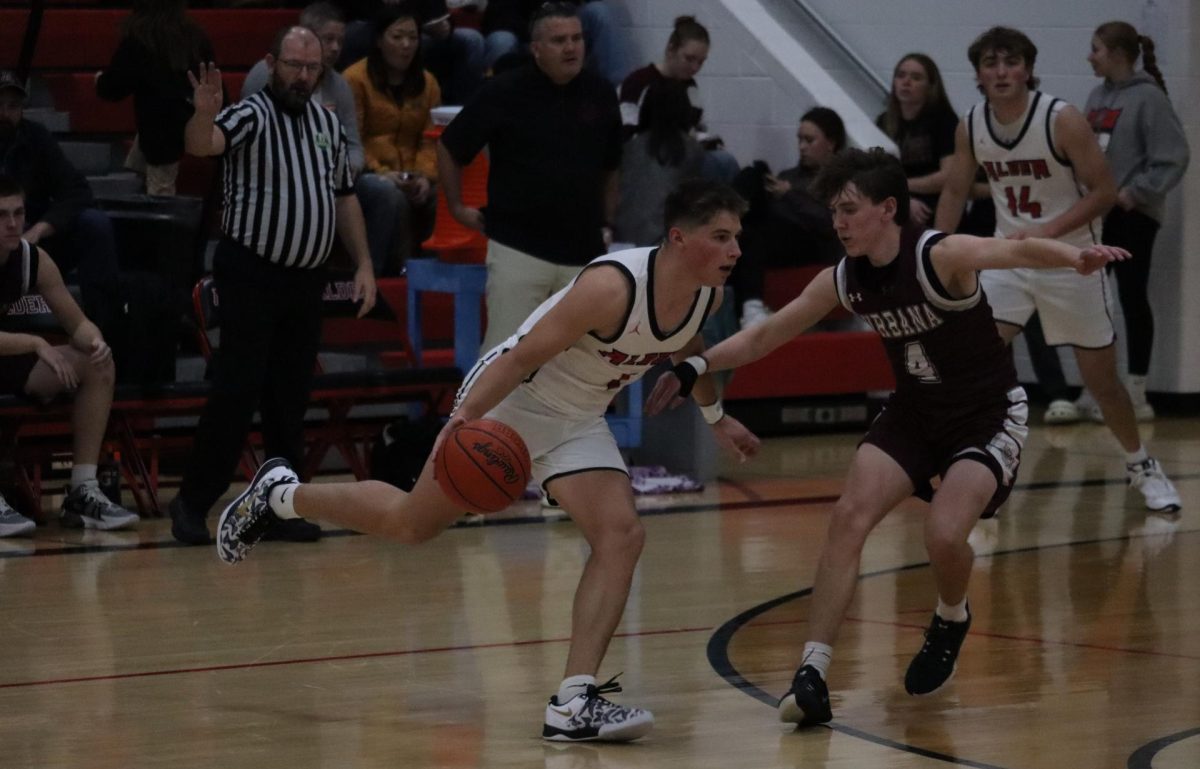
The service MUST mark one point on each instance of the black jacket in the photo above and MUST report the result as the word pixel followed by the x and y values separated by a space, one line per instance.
pixel 162 98
pixel 55 191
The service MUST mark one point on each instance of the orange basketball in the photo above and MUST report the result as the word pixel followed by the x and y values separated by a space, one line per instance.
pixel 483 466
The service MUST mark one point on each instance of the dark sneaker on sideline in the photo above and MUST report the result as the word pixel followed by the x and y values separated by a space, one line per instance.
pixel 589 716
pixel 86 507
pixel 807 702
pixel 934 665
pixel 186 527
pixel 244 520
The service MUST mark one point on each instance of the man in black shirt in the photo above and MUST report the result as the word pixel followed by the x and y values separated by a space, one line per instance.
pixel 553 131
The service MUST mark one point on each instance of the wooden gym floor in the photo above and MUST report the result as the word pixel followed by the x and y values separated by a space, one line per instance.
pixel 124 650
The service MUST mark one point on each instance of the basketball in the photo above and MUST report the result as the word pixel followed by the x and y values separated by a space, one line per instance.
pixel 483 466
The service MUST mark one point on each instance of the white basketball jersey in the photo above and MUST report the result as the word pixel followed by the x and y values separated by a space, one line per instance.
pixel 584 378
pixel 1030 182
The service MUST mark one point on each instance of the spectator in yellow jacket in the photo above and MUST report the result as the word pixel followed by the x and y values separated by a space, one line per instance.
pixel 393 96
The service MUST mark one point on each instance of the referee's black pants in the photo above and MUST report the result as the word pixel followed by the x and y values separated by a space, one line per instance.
pixel 270 321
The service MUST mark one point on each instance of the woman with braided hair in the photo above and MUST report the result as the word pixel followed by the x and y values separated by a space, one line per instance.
pixel 1148 152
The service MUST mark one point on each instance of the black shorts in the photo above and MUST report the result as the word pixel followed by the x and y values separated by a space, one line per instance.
pixel 926 444
pixel 14 372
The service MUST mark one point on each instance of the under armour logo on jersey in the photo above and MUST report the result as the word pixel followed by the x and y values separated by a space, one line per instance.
pixel 855 297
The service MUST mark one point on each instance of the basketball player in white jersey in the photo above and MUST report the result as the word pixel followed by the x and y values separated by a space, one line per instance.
pixel 1049 179
pixel 552 382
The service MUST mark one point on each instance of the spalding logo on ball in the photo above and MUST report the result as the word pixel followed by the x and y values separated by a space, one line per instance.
pixel 483 466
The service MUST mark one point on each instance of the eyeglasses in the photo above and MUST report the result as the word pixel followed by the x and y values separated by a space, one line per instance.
pixel 302 66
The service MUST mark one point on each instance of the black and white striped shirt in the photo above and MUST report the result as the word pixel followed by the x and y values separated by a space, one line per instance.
pixel 281 175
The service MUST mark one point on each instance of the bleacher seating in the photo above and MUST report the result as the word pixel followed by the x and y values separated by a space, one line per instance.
pixel 77 41
pixel 31 435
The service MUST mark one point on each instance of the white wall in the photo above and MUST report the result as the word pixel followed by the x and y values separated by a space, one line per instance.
pixel 754 103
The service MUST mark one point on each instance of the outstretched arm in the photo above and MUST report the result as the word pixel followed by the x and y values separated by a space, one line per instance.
pixel 748 345
pixel 957 258
pixel 816 301
pixel 732 436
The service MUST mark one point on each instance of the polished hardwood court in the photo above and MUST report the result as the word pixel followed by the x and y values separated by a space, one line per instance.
pixel 125 650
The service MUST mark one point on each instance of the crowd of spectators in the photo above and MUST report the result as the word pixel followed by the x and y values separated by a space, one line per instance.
pixel 582 153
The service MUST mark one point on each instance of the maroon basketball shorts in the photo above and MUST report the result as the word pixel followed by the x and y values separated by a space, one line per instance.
pixel 926 443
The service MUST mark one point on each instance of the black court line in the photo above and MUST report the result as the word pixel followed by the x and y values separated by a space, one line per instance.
pixel 718 658
pixel 705 507
pixel 1143 757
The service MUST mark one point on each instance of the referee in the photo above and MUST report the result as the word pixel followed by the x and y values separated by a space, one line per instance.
pixel 288 187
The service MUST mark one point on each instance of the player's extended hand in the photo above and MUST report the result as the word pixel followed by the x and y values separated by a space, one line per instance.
pixel 206 89
pixel 364 288
pixel 58 363
pixel 665 395
pixel 733 437
pixel 1095 258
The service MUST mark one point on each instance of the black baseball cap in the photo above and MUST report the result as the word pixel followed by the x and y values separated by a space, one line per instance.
pixel 10 81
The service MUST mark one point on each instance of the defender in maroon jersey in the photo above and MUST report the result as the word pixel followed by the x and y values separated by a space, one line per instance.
pixel 957 412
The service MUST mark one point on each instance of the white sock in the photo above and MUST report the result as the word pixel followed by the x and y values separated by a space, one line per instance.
pixel 573 687
pixel 81 474
pixel 1137 457
pixel 955 613
pixel 818 655
pixel 282 498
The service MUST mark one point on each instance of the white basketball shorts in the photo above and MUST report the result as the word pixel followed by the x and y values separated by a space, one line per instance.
pixel 1073 308
pixel 559 444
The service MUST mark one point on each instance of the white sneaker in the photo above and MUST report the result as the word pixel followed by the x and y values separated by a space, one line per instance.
pixel 754 312
pixel 12 523
pixel 1061 412
pixel 1148 477
pixel 1088 408
pixel 1137 393
pixel 588 716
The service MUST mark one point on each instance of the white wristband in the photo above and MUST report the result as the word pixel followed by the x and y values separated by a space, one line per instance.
pixel 698 362
pixel 713 412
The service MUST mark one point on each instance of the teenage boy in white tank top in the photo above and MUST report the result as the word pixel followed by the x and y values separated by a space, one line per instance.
pixel 1049 179
pixel 552 383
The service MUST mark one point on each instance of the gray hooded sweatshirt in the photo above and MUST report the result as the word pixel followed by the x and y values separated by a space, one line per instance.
pixel 1142 137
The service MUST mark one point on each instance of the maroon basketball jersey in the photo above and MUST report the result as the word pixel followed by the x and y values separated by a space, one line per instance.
pixel 945 352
